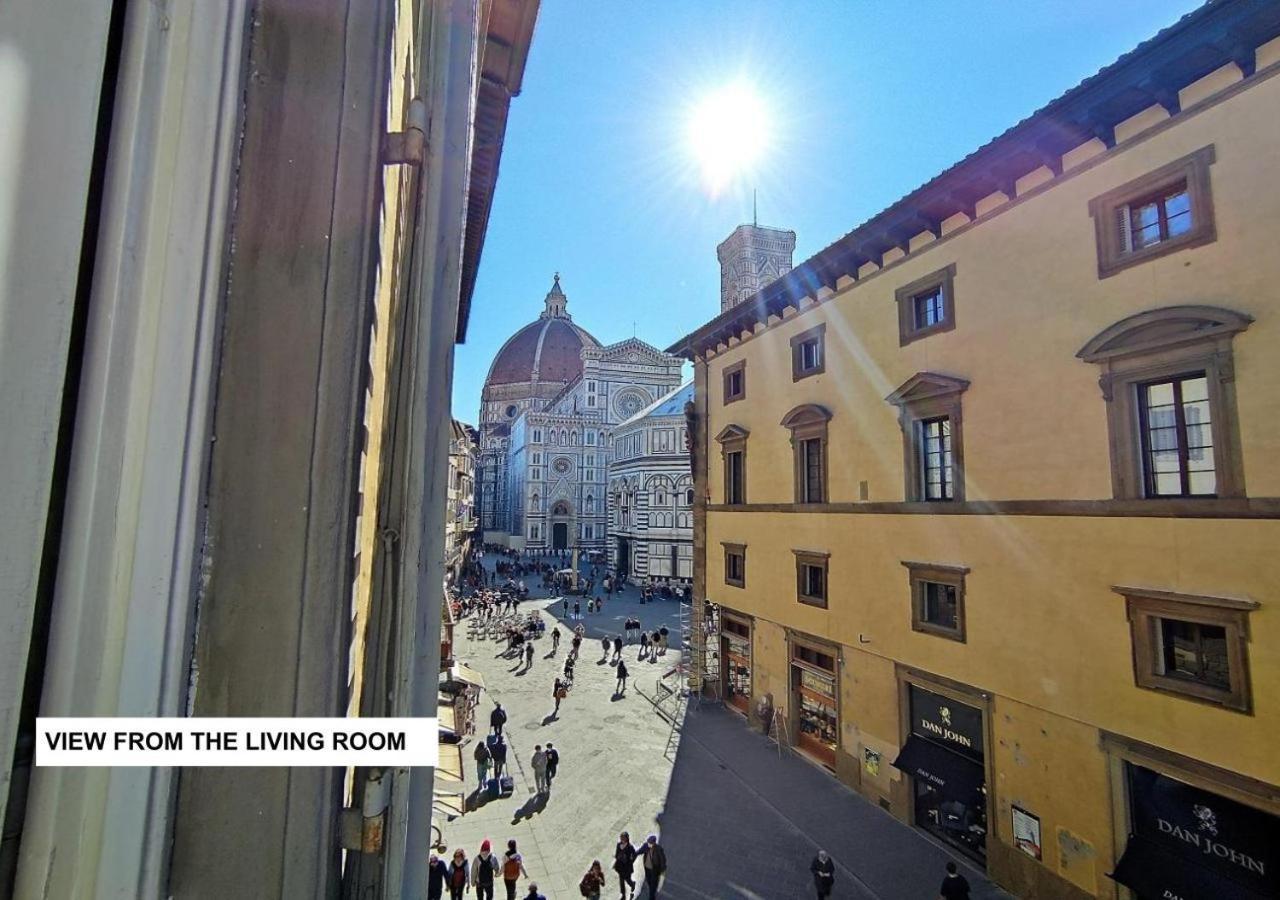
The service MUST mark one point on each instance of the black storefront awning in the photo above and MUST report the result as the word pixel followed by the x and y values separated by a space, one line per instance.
pixel 1155 873
pixel 950 773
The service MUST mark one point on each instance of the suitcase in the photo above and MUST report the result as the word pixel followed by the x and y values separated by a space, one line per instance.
pixel 506 786
pixel 492 789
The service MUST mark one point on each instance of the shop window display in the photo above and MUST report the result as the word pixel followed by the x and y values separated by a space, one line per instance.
pixel 817 716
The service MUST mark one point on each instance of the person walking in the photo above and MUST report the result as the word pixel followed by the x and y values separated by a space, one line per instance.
pixel 539 763
pixel 655 864
pixel 663 636
pixel 624 863
pixel 484 870
pixel 593 882
pixel 606 645
pixel 564 606
pixel 954 885
pixel 533 893
pixel 644 645
pixel 512 869
pixel 553 764
pixel 577 609
pixel 497 718
pixel 555 641
pixel 653 647
pixel 484 758
pixel 559 692
pixel 528 656
pixel 622 678
pixel 458 877
pixel 499 751
pixel 617 648
pixel 824 874
pixel 436 872
pixel 568 673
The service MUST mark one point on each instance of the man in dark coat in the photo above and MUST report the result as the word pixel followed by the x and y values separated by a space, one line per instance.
pixel 499 758
pixel 655 863
pixel 824 874
pixel 553 761
pixel 497 718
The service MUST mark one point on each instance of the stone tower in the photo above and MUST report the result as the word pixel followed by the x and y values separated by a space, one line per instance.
pixel 750 258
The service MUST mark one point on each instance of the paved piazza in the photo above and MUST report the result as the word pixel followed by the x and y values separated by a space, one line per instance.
pixel 737 820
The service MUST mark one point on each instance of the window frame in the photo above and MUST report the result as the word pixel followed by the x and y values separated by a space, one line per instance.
pixel 1162 344
pixel 816 333
pixel 906 296
pixel 740 551
pixel 809 422
pixel 1180 428
pixel 739 368
pixel 733 439
pixel 1146 607
pixel 923 397
pixel 921 573
pixel 1194 169
pixel 817 559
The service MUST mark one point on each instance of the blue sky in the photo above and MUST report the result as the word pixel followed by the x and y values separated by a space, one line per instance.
pixel 867 100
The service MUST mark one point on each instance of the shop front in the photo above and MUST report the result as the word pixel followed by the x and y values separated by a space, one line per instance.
pixel 735 651
pixel 944 758
pixel 814 692
pixel 1187 842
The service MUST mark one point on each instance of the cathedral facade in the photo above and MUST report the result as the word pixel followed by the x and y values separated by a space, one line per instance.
pixel 550 402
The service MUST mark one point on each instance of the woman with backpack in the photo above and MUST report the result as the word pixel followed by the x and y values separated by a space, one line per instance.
pixel 512 869
pixel 483 869
pixel 559 692
pixel 593 882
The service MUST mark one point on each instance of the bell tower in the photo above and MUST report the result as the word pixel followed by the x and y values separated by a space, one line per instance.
pixel 751 257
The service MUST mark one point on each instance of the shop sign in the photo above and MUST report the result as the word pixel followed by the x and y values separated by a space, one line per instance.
pixel 871 761
pixel 1235 840
pixel 943 720
pixel 819 684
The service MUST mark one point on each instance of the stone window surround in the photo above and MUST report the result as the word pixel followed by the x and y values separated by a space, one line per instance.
pixel 905 297
pixel 819 332
pixel 919 573
pixel 1146 606
pixel 818 558
pixel 733 439
pixel 806 422
pixel 1194 170
pixel 740 366
pixel 929 395
pixel 1156 344
pixel 739 550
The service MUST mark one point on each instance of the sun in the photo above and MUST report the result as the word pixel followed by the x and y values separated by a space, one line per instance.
pixel 728 134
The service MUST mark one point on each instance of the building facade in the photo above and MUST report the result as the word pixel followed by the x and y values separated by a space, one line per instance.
pixel 460 513
pixel 545 459
pixel 987 491
pixel 651 492
pixel 751 258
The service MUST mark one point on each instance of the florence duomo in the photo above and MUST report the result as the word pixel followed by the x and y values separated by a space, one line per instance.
pixel 549 403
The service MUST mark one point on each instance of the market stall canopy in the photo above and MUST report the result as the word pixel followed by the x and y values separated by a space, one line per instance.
pixel 463 674
pixel 448 715
pixel 449 776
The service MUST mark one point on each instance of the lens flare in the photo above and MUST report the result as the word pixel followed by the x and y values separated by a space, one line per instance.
pixel 729 134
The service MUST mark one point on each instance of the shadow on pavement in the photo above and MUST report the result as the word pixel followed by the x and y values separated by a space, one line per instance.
pixel 534 805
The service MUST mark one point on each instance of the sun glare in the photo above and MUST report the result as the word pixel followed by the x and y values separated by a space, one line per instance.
pixel 728 134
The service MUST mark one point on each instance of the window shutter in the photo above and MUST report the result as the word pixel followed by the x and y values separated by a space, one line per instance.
pixel 1123 229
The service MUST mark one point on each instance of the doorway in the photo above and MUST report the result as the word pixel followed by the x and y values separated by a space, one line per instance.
pixel 560 536
pixel 624 556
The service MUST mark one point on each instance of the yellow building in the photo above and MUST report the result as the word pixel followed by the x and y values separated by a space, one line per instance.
pixel 987 490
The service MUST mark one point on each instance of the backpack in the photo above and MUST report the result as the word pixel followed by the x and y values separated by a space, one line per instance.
pixel 511 868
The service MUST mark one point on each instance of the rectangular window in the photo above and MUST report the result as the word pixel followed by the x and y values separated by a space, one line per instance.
pixel 735 565
pixel 812 489
pixel 735 477
pixel 735 382
pixel 1195 646
pixel 811 577
pixel 938 482
pixel 808 353
pixel 588 531
pixel 591 400
pixel 1177 437
pixel 537 458
pixel 937 599
pixel 930 308
pixel 1166 210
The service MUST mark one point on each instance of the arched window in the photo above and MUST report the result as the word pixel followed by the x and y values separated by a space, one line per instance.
pixel 688 497
pixel 573 438
pixel 533 502
pixel 552 435
pixel 591 504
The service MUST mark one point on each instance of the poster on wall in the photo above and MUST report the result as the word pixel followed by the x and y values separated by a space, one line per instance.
pixel 871 761
pixel 1026 832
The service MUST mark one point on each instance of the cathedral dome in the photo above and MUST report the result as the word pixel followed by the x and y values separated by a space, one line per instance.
pixel 547 350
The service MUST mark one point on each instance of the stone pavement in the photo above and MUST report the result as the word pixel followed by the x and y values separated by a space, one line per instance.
pixel 743 822
pixel 737 820
pixel 612 777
